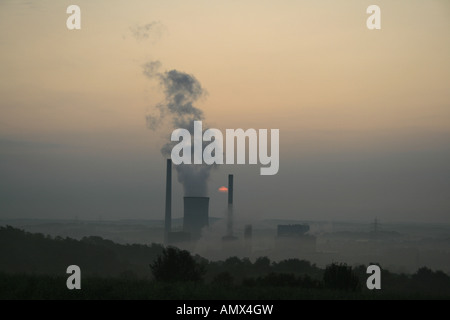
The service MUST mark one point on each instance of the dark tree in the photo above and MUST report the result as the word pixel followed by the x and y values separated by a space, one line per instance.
pixel 262 264
pixel 340 277
pixel 432 282
pixel 175 265
pixel 223 279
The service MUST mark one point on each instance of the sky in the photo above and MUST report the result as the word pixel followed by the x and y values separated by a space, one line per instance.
pixel 364 115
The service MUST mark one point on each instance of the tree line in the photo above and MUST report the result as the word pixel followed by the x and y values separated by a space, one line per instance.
pixel 28 260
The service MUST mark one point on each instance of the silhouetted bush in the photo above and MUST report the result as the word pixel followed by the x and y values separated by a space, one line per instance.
pixel 296 266
pixel 223 279
pixel 278 280
pixel 175 265
pixel 307 282
pixel 262 264
pixel 340 277
pixel 282 280
pixel 427 280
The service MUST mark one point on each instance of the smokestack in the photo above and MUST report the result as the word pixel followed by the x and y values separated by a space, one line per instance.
pixel 196 215
pixel 229 235
pixel 168 214
pixel 230 189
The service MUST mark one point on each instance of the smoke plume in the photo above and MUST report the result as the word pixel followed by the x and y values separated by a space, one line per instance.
pixel 181 92
pixel 150 31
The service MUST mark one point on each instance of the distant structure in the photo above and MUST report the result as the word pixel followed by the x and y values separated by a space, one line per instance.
pixel 229 236
pixel 230 206
pixel 196 216
pixel 248 232
pixel 168 211
pixel 230 189
pixel 292 241
pixel 292 230
pixel 375 228
pixel 248 235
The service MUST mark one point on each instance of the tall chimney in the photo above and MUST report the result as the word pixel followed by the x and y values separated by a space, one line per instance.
pixel 230 207
pixel 168 214
pixel 230 189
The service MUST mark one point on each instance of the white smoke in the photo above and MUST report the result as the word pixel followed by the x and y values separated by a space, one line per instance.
pixel 181 91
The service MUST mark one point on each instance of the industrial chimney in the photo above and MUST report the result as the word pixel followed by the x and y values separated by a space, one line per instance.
pixel 230 189
pixel 168 213
pixel 196 215
pixel 230 207
pixel 229 236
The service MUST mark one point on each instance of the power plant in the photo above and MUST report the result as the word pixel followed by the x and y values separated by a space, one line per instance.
pixel 195 215
pixel 290 240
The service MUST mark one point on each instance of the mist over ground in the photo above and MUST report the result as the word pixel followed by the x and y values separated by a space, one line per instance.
pixel 402 248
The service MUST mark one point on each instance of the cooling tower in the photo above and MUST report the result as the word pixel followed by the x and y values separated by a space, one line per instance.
pixel 196 215
pixel 168 213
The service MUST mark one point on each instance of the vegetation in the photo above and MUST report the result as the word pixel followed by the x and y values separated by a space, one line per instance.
pixel 24 252
pixel 340 277
pixel 175 265
pixel 33 267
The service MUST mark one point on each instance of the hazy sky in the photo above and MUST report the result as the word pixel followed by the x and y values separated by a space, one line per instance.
pixel 364 116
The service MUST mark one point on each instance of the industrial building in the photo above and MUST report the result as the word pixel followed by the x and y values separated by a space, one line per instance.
pixel 292 230
pixel 195 216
